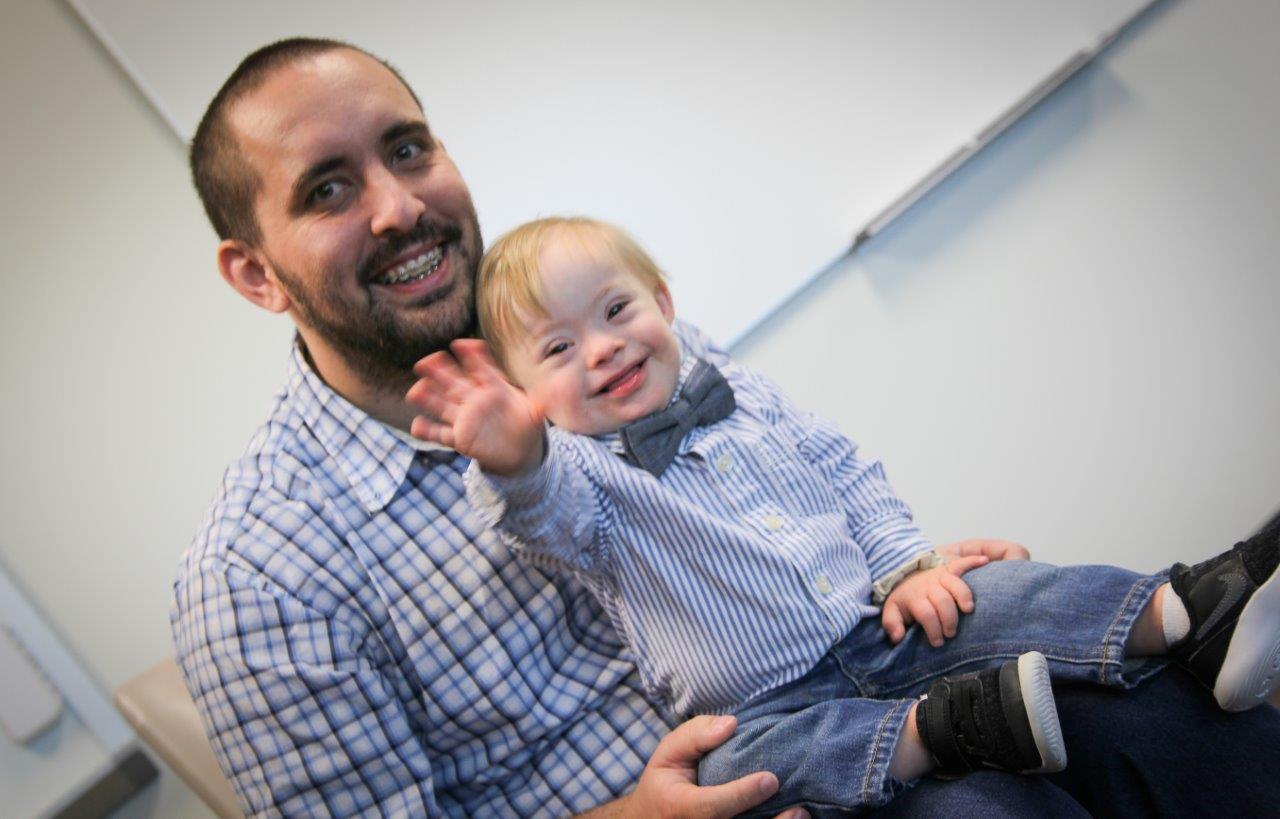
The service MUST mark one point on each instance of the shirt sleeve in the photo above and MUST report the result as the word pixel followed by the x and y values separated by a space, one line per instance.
pixel 301 719
pixel 554 513
pixel 879 520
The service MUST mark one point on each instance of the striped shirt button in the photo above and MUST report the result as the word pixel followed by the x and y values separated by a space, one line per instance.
pixel 724 463
pixel 822 585
pixel 773 522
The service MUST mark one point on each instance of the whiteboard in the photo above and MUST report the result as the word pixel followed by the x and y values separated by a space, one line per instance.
pixel 744 144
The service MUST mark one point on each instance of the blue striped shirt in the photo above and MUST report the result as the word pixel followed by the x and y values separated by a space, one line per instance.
pixel 359 643
pixel 735 571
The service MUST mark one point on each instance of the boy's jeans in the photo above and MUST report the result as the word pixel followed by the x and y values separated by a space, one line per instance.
pixel 829 736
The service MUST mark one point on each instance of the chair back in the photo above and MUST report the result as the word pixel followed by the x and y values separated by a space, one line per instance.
pixel 157 705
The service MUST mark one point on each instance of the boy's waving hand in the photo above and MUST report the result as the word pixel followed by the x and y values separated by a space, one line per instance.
pixel 466 404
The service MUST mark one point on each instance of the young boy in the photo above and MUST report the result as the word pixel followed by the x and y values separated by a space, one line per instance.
pixel 744 551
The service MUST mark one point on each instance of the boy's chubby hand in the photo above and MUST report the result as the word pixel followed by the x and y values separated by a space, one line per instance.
pixel 468 405
pixel 934 598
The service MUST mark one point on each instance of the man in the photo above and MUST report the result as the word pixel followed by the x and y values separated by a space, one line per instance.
pixel 355 640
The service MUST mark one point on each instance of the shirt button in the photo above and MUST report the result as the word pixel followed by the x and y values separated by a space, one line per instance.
pixel 724 463
pixel 822 584
pixel 773 522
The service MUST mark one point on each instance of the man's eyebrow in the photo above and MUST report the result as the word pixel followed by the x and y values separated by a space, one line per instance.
pixel 298 196
pixel 404 128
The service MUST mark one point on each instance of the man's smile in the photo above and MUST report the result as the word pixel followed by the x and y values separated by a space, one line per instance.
pixel 419 271
pixel 411 265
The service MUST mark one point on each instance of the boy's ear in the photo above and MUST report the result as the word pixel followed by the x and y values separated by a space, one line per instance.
pixel 246 270
pixel 663 296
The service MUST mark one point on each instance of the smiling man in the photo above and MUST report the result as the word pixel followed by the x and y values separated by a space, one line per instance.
pixel 356 640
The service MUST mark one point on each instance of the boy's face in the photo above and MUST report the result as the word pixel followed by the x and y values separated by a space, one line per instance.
pixel 605 354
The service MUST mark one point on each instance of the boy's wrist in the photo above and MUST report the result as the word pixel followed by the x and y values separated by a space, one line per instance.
pixel 883 586
pixel 534 456
pixel 528 484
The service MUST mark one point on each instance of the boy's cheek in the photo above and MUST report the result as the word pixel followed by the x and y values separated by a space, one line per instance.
pixel 561 407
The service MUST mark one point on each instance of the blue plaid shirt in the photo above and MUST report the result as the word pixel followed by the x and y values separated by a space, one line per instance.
pixel 358 642
pixel 736 570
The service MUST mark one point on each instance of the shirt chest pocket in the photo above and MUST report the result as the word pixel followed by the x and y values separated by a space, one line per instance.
pixel 791 481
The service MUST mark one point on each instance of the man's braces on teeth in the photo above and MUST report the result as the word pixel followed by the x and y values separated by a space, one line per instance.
pixel 418 268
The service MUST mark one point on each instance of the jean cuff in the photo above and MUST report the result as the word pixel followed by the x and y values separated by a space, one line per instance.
pixel 878 787
pixel 1116 670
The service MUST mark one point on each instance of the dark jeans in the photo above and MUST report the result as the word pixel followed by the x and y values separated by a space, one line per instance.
pixel 1161 749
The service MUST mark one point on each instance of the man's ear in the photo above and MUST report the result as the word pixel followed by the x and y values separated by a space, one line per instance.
pixel 244 269
pixel 663 296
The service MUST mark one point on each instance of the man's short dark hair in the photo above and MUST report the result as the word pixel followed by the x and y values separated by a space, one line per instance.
pixel 224 179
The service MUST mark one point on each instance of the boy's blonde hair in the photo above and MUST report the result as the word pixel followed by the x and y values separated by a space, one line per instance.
pixel 509 286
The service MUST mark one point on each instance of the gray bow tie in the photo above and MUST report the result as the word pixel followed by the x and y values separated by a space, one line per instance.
pixel 652 441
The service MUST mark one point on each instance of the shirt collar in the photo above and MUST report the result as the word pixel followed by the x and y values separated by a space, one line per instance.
pixel 374 457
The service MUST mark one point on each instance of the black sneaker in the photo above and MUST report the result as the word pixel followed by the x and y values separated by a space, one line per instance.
pixel 1003 718
pixel 1233 603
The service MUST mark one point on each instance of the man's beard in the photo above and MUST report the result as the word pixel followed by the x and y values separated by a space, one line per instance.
pixel 377 340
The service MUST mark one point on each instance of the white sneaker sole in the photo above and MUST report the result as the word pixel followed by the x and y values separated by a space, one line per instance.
pixel 1042 712
pixel 1251 668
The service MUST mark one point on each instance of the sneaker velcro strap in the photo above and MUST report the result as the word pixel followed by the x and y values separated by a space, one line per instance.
pixel 934 720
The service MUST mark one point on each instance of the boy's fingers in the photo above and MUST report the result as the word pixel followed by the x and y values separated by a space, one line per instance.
pixel 426 397
pixel 945 605
pixel 428 363
pixel 925 614
pixel 440 367
pixel 891 620
pixel 474 356
pixel 960 591
pixel 428 430
pixel 961 565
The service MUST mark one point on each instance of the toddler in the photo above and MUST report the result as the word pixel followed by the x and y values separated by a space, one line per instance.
pixel 756 565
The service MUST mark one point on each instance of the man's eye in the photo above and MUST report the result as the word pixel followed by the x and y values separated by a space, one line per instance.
pixel 325 191
pixel 616 309
pixel 408 151
pixel 556 349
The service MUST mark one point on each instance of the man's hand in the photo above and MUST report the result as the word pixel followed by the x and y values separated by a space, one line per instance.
pixel 667 787
pixel 994 549
pixel 468 405
pixel 933 598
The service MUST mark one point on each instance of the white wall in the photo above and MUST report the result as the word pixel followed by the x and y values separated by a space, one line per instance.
pixel 1073 343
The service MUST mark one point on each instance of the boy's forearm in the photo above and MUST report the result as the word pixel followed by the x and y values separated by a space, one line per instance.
pixel 551 509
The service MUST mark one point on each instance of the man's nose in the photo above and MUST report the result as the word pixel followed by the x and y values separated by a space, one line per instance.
pixel 395 207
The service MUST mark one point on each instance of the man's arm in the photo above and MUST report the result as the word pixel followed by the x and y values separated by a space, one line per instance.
pixel 299 716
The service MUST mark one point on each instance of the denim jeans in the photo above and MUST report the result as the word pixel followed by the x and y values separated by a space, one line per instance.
pixel 830 735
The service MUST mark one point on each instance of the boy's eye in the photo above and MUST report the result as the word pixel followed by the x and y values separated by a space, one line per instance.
pixel 556 349
pixel 615 309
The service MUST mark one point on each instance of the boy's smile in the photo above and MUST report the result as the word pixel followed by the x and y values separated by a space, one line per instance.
pixel 604 354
